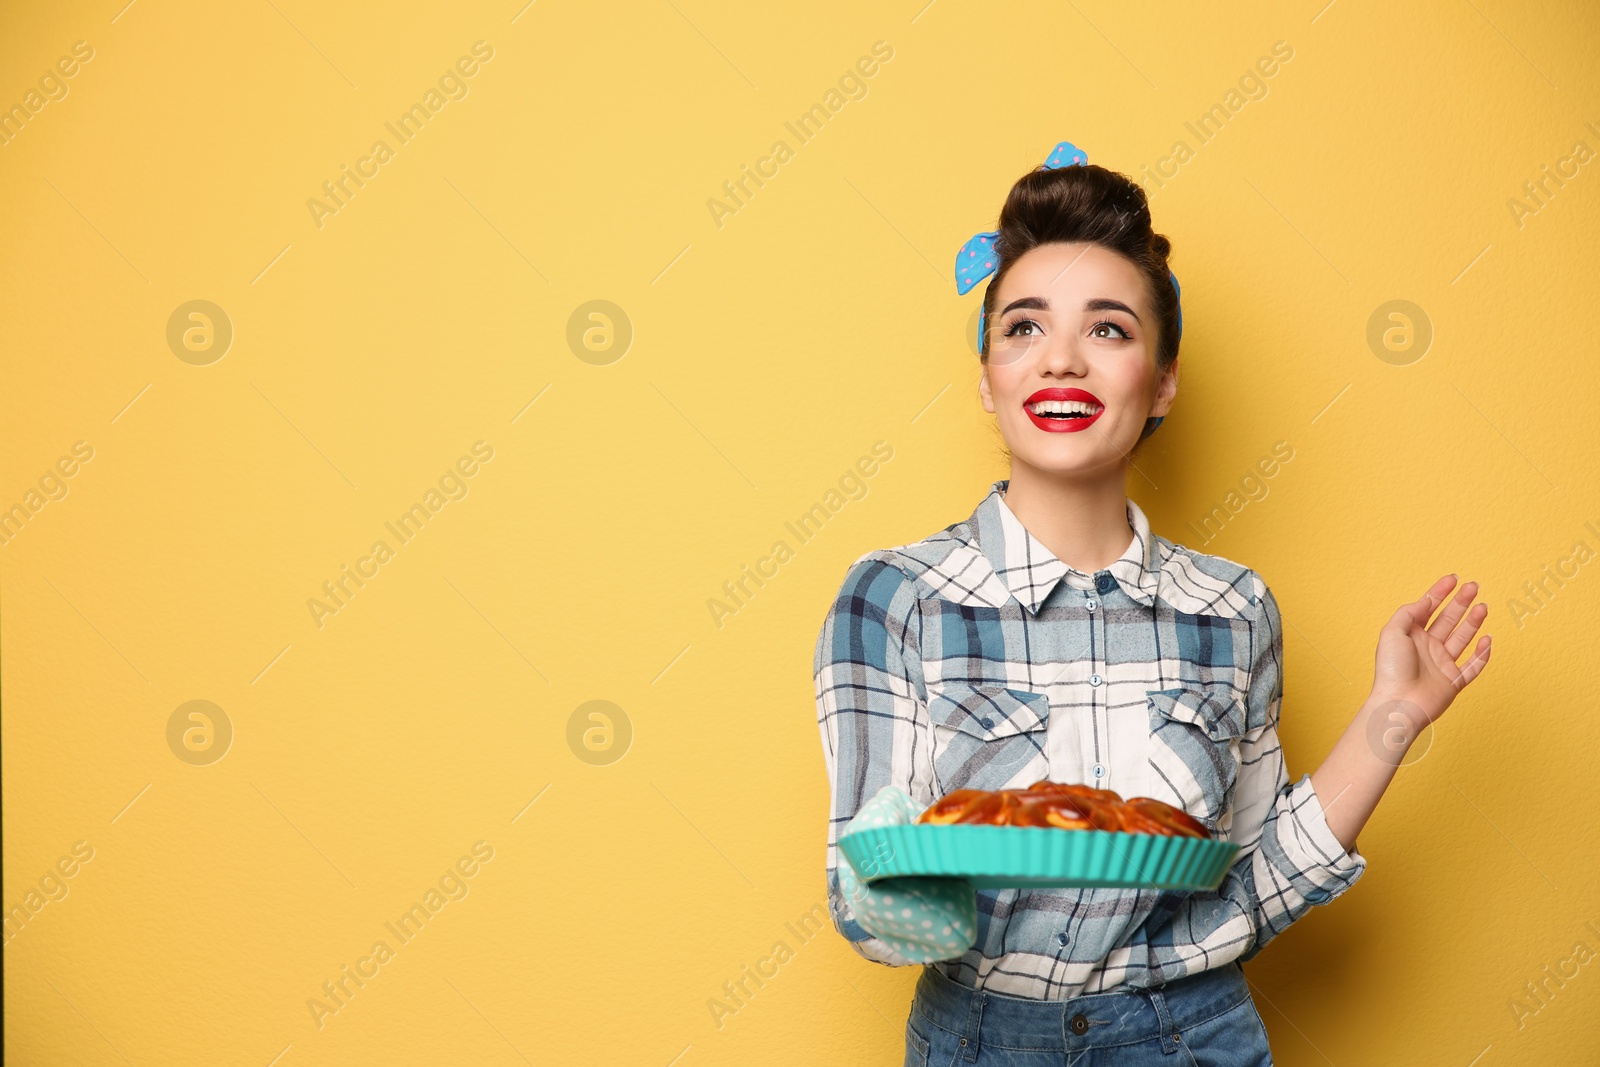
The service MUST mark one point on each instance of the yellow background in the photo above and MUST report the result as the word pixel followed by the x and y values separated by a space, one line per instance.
pixel 769 353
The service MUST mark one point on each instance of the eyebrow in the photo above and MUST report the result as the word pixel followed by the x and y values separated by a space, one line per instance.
pixel 1099 303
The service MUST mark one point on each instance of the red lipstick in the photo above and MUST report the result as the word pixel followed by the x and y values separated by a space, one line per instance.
pixel 1078 416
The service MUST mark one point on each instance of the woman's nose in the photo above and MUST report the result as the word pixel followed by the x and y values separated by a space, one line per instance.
pixel 1063 355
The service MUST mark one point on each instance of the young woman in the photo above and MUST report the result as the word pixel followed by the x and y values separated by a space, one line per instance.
pixel 1052 634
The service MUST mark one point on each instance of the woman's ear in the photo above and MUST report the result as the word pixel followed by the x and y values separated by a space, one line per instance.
pixel 983 389
pixel 1166 391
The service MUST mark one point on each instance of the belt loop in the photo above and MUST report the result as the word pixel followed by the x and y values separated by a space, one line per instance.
pixel 974 1024
pixel 1158 1001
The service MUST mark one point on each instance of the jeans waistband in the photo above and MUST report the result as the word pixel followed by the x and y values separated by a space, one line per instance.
pixel 1094 1020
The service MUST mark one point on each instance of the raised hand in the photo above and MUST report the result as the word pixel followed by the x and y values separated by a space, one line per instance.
pixel 1416 660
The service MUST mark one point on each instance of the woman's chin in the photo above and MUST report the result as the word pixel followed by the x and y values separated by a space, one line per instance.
pixel 1075 453
pixel 1084 462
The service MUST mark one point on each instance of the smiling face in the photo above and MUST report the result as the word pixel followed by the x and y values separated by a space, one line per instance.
pixel 1071 375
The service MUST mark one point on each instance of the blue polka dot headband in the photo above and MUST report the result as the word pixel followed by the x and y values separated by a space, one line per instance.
pixel 976 260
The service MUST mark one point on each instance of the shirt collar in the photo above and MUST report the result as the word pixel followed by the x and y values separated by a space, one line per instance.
pixel 1031 571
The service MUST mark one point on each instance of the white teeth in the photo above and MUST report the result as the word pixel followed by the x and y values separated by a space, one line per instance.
pixel 1063 407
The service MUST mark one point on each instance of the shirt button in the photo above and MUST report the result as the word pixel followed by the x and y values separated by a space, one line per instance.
pixel 1061 939
pixel 1094 679
pixel 1092 605
pixel 1079 1024
pixel 1099 770
pixel 1104 582
pixel 987 721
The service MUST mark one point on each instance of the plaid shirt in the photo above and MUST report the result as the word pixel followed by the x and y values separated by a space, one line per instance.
pixel 976 659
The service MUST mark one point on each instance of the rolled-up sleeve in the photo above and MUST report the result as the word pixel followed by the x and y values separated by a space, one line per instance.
pixel 872 713
pixel 1290 861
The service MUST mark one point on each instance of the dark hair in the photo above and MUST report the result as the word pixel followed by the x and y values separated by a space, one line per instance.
pixel 1088 203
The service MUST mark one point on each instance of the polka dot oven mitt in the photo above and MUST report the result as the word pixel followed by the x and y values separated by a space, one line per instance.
pixel 923 918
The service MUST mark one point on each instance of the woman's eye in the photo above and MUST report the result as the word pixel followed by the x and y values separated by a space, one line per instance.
pixel 1094 331
pixel 1012 330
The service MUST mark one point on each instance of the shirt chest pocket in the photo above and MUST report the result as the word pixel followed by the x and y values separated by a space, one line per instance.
pixel 988 736
pixel 1194 748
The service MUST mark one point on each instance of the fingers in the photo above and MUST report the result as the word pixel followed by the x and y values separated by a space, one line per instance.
pixel 1474 666
pixel 1413 615
pixel 1460 605
pixel 1437 592
pixel 1462 636
pixel 1418 612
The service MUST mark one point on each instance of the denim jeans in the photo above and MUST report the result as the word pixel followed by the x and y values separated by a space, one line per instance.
pixel 1202 1020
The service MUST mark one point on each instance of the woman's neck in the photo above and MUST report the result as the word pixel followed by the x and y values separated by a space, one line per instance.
pixel 1083 521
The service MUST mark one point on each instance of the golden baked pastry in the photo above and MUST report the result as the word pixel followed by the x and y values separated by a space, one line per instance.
pixel 1062 806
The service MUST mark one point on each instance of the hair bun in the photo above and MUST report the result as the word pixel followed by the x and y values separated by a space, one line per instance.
pixel 1086 202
